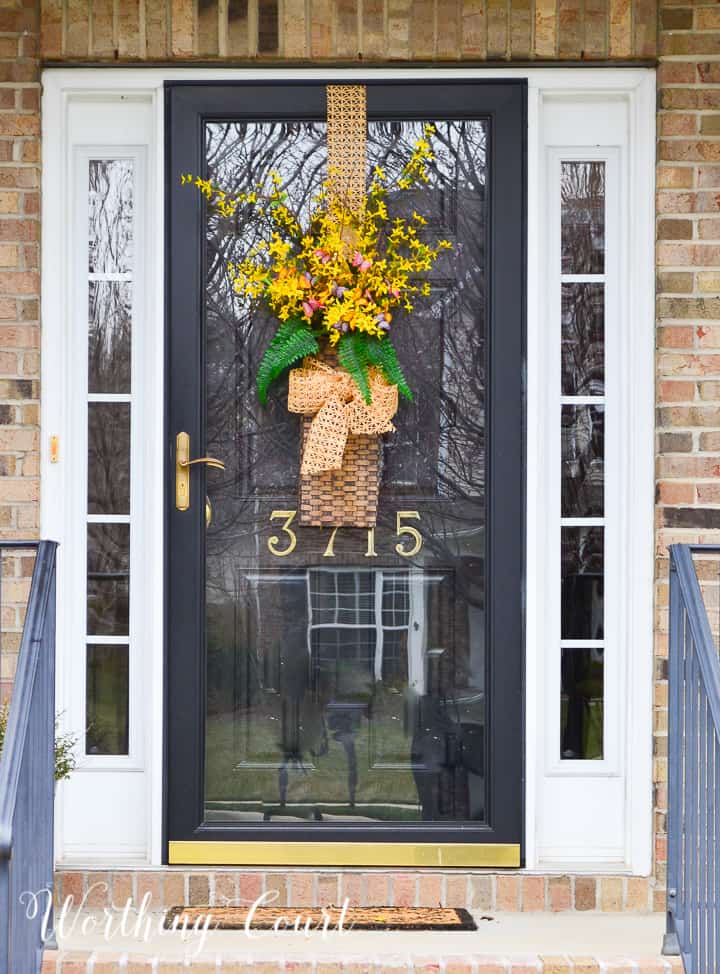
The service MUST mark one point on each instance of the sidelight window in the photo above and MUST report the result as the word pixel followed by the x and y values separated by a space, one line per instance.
pixel 582 494
pixel 110 294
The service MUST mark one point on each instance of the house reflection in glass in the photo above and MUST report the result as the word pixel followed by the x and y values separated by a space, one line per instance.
pixel 356 698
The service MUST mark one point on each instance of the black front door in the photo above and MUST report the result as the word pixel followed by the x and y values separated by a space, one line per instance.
pixel 350 684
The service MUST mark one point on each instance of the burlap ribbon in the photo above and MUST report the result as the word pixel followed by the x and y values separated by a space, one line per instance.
pixel 335 402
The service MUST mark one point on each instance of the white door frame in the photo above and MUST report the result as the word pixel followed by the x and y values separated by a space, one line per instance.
pixel 557 99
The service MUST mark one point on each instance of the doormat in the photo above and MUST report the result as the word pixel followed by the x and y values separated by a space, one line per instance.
pixel 313 918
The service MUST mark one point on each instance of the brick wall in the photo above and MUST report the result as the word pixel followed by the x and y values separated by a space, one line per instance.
pixel 688 218
pixel 367 30
pixel 19 310
pixel 688 315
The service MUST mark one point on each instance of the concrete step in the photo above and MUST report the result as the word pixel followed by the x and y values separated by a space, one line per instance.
pixel 504 943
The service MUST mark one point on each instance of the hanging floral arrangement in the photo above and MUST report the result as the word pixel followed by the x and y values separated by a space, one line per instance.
pixel 337 280
pixel 334 278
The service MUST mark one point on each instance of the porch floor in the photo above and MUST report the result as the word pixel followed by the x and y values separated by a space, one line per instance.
pixel 504 942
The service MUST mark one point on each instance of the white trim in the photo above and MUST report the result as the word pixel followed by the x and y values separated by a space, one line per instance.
pixel 116 788
pixel 631 88
pixel 614 825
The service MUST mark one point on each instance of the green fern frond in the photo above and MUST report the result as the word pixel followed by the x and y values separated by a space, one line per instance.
pixel 352 355
pixel 381 352
pixel 292 341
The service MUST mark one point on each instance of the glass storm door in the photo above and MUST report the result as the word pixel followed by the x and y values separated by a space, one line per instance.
pixel 348 684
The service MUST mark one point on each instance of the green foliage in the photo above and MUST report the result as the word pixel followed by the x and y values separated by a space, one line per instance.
pixel 353 356
pixel 381 353
pixel 65 760
pixel 293 340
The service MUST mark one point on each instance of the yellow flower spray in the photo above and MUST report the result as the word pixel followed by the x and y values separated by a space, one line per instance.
pixel 339 278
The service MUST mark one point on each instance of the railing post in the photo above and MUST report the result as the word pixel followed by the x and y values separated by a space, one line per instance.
pixel 671 945
pixel 4 916
pixel 48 642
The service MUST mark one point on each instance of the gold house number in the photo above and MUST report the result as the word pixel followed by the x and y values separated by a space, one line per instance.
pixel 408 547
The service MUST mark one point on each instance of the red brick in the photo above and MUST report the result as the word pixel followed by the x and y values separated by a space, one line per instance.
pixel 559 893
pixel 431 890
pixel 351 888
pixel 507 895
pixel 328 888
pixel 669 391
pixel 675 123
pixel 611 894
pixel 301 889
pixel 585 893
pixel 709 72
pixel 675 73
pixel 456 889
pixel 122 889
pixel 675 336
pixel 276 886
pixel 377 887
pixel 404 889
pixel 174 889
pixel 670 492
pixel 532 893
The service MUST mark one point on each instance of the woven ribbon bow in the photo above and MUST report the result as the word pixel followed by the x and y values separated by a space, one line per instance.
pixel 331 396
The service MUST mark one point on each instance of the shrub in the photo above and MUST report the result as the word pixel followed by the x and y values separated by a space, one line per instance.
pixel 65 760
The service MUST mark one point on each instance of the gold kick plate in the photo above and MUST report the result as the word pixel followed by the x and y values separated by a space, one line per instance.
pixel 449 855
pixel 182 470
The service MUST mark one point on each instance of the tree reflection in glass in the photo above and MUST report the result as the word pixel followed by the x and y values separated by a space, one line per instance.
pixel 346 687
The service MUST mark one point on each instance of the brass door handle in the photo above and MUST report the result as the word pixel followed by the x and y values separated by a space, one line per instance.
pixel 182 470
pixel 210 461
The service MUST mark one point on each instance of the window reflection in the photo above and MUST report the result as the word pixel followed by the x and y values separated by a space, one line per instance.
pixel 110 205
pixel 583 339
pixel 349 689
pixel 582 193
pixel 107 693
pixel 582 704
pixel 108 572
pixel 108 458
pixel 110 268
pixel 583 445
pixel 582 583
pixel 343 705
pixel 109 322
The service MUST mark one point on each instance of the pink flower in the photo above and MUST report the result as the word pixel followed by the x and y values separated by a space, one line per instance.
pixel 311 306
pixel 322 255
pixel 362 263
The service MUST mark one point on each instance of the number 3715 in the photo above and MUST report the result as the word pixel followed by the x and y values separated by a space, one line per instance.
pixel 408 547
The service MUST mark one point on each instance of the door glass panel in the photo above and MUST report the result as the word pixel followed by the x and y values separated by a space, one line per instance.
pixel 582 583
pixel 108 458
pixel 107 699
pixel 109 322
pixel 582 703
pixel 583 447
pixel 582 191
pixel 110 205
pixel 108 575
pixel 346 681
pixel 583 337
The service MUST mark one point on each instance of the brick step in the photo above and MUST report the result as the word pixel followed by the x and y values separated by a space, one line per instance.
pixel 473 889
pixel 97 962
pixel 108 941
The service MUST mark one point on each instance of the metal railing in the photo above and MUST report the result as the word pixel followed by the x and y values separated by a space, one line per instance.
pixel 27 775
pixel 693 911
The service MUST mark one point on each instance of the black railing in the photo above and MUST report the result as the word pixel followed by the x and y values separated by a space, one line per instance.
pixel 27 777
pixel 693 917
